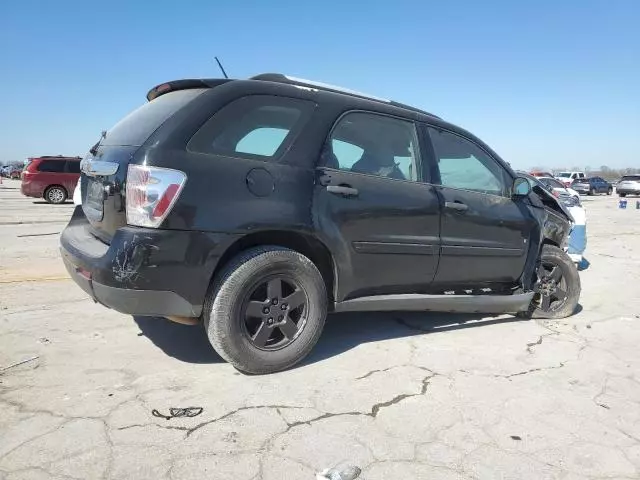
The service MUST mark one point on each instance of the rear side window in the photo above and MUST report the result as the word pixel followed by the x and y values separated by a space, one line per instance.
pixel 73 167
pixel 51 166
pixel 137 127
pixel 256 126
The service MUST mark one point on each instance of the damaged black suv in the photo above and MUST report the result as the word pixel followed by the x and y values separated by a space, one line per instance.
pixel 256 206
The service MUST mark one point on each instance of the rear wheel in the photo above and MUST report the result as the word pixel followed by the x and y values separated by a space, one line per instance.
pixel 557 286
pixel 266 310
pixel 592 191
pixel 622 195
pixel 55 195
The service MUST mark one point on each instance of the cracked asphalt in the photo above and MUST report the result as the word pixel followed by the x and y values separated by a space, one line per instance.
pixel 424 396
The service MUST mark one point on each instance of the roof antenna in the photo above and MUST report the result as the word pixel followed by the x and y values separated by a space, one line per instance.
pixel 221 68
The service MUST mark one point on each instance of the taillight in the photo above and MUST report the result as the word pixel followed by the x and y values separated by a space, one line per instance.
pixel 151 194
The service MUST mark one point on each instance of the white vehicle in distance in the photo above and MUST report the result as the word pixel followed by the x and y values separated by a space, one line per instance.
pixel 558 188
pixel 567 178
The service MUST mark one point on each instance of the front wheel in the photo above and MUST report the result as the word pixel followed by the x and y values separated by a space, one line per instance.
pixel 266 310
pixel 592 192
pixel 609 191
pixel 622 195
pixel 557 286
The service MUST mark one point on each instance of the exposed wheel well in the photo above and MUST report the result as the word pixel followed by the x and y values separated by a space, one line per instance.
pixel 307 245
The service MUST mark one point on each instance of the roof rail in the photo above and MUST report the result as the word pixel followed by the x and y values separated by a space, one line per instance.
pixel 281 78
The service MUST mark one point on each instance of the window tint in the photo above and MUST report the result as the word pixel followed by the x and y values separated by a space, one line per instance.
pixel 373 144
pixel 54 166
pixel 137 127
pixel 256 126
pixel 462 164
pixel 73 166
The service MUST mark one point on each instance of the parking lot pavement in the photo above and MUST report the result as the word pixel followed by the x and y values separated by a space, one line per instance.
pixel 400 395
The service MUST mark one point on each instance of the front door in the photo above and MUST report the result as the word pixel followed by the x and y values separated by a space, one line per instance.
pixel 380 220
pixel 484 232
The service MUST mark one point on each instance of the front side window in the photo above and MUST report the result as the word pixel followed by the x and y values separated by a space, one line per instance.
pixel 464 165
pixel 256 126
pixel 373 144
pixel 51 166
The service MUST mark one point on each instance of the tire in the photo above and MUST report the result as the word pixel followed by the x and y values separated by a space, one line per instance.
pixel 591 192
pixel 622 195
pixel 55 194
pixel 226 309
pixel 609 191
pixel 553 255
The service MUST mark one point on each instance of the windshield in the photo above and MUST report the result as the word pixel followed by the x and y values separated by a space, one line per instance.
pixel 564 174
pixel 137 127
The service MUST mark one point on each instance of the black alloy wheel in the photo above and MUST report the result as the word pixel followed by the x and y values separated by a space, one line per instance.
pixel 274 313
pixel 552 287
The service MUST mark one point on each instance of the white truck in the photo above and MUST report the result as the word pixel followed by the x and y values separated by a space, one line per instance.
pixel 567 178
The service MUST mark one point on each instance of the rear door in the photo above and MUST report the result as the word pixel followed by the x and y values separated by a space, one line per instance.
pixel 71 175
pixel 484 232
pixel 374 209
pixel 104 170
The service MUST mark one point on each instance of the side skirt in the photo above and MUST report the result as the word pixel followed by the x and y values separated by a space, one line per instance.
pixel 438 303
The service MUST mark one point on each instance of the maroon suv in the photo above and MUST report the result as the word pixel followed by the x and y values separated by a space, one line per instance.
pixel 51 178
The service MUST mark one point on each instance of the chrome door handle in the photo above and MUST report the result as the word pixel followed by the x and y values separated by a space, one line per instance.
pixel 342 190
pixel 461 207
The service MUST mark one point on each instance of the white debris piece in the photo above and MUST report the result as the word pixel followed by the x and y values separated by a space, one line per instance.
pixel 348 473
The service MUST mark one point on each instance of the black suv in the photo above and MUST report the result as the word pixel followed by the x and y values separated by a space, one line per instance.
pixel 257 206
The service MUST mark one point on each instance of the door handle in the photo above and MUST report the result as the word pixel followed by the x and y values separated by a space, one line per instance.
pixel 461 207
pixel 343 190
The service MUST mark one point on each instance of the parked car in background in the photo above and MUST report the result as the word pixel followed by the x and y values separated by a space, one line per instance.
pixel 577 243
pixel 11 171
pixel 628 185
pixel 592 186
pixel 539 174
pixel 15 173
pixel 567 178
pixel 327 204
pixel 557 187
pixel 51 178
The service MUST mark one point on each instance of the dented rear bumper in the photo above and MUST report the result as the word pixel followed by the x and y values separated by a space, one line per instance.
pixel 147 272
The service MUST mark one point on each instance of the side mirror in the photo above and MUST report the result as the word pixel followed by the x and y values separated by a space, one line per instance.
pixel 521 187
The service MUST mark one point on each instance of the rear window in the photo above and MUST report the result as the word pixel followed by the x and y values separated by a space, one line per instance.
pixel 51 166
pixel 630 178
pixel 135 128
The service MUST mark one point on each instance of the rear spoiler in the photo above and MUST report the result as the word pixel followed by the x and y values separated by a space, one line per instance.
pixel 174 85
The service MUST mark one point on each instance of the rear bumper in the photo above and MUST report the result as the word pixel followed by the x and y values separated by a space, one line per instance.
pixel 145 272
pixel 29 191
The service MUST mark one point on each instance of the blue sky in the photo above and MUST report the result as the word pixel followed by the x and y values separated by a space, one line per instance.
pixel 548 83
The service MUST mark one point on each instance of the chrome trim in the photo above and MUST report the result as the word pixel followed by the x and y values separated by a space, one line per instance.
pixel 98 168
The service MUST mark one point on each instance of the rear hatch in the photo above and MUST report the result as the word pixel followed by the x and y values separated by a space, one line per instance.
pixel 631 182
pixel 104 168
